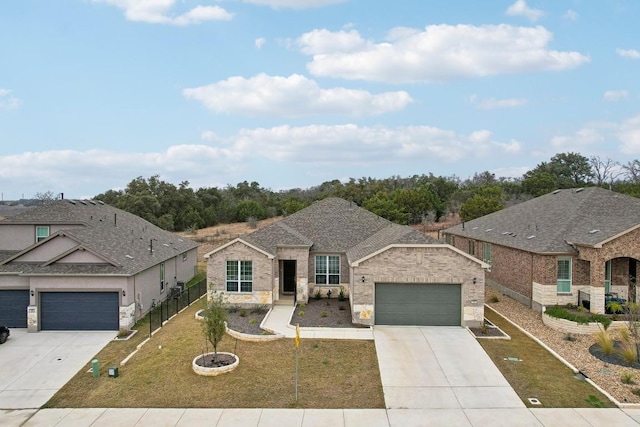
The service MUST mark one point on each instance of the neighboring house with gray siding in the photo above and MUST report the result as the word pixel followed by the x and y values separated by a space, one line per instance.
pixel 392 274
pixel 85 265
pixel 550 249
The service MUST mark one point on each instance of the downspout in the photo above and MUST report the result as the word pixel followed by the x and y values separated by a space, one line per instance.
pixel 531 280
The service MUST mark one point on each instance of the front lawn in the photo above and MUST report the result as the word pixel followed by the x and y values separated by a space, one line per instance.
pixel 333 374
pixel 534 372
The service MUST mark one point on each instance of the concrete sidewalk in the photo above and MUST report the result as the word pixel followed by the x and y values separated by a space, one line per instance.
pixel 278 321
pixel 156 417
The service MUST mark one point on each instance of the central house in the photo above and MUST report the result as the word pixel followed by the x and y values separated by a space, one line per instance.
pixel 392 274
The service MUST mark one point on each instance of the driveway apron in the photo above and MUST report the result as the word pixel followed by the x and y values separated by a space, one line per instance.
pixel 35 366
pixel 439 367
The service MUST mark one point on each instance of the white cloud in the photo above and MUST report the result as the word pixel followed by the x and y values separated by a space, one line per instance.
pixel 520 8
pixel 8 101
pixel 615 95
pixel 313 148
pixel 294 4
pixel 318 144
pixel 570 15
pixel 492 103
pixel 293 96
pixel 439 53
pixel 259 42
pixel 629 134
pixel 629 53
pixel 580 141
pixel 158 12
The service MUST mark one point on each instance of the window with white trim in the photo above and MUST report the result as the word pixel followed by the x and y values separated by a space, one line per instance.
pixel 607 277
pixel 327 269
pixel 564 276
pixel 42 232
pixel 239 276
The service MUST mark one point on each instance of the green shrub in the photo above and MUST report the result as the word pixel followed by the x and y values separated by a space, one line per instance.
pixel 569 337
pixel 259 309
pixel 323 314
pixel 636 391
pixel 301 313
pixel 561 313
pixel 253 321
pixel 627 378
pixel 494 299
pixel 318 295
pixel 243 313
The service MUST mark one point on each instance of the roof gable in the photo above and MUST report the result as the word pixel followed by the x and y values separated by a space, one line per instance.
pixel 554 222
pixel 126 243
pixel 335 225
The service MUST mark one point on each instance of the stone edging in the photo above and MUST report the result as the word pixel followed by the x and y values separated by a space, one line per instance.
pixel 565 362
pixel 569 326
pixel 249 337
pixel 210 372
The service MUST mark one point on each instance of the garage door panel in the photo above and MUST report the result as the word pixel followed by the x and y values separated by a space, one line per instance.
pixel 68 311
pixel 418 304
pixel 13 308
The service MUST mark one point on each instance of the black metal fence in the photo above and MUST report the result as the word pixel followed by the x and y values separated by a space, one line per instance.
pixel 176 300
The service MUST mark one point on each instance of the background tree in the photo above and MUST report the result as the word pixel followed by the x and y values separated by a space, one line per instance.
pixel 486 201
pixel 604 171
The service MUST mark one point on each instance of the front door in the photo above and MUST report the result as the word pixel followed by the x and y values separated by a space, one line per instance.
pixel 289 276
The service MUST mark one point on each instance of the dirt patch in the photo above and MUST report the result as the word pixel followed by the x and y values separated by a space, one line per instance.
pixel 488 330
pixel 325 312
pixel 215 361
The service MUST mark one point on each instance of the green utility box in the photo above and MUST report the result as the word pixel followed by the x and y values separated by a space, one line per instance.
pixel 95 368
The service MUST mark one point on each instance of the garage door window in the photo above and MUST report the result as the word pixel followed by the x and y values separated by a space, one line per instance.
pixel 328 269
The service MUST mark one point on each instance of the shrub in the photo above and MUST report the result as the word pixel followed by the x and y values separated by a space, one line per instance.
pixel 604 341
pixel 253 321
pixel 323 314
pixel 569 337
pixel 636 391
pixel 243 313
pixel 317 295
pixel 233 309
pixel 627 378
pixel 561 313
pixel 341 296
pixel 571 306
pixel 259 309
pixel 494 298
pixel 301 313
pixel 629 352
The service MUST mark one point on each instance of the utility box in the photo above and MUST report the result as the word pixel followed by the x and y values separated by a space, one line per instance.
pixel 95 368
pixel 113 371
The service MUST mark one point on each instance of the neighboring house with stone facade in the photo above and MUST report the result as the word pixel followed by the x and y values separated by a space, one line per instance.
pixel 84 265
pixel 567 246
pixel 392 274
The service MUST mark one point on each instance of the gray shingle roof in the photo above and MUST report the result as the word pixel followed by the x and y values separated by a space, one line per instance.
pixel 113 233
pixel 556 220
pixel 335 225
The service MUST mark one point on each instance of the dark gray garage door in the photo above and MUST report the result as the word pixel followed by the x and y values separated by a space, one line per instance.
pixel 13 308
pixel 418 304
pixel 79 311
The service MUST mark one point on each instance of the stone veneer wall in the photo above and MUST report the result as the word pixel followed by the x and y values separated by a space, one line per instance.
pixel 263 275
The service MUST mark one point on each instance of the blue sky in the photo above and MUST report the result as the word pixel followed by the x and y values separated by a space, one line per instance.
pixel 292 93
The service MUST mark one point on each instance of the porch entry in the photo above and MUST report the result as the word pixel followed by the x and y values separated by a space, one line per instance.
pixel 289 276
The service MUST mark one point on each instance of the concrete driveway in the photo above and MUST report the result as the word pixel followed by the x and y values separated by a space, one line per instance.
pixel 444 369
pixel 35 366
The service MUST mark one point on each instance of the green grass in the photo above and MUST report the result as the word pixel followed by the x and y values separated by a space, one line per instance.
pixel 333 373
pixel 539 374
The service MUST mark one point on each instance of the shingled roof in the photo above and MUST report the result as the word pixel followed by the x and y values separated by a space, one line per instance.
pixel 554 222
pixel 117 236
pixel 335 225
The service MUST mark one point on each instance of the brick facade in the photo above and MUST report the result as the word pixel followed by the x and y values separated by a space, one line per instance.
pixel 435 264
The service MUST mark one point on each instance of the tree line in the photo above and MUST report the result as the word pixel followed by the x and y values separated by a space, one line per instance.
pixel 405 200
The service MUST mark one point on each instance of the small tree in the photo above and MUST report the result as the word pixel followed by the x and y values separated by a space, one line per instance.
pixel 213 326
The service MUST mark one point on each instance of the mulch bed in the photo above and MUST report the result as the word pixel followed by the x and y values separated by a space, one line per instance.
pixel 325 312
pixel 247 321
pixel 614 358
pixel 215 361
